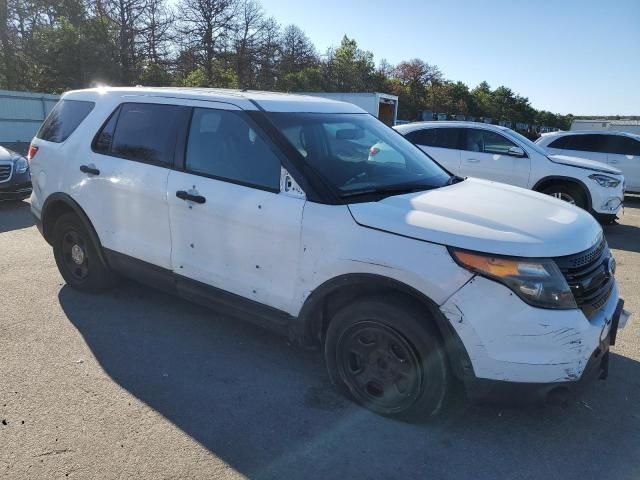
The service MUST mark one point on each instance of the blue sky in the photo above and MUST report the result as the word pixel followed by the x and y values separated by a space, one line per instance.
pixel 566 56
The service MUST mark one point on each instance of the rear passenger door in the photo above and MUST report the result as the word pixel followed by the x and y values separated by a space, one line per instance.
pixel 231 226
pixel 123 178
pixel 441 143
pixel 486 155
pixel 624 153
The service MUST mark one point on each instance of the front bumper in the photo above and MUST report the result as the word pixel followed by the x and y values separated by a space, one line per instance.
pixel 17 188
pixel 481 390
pixel 509 341
pixel 607 201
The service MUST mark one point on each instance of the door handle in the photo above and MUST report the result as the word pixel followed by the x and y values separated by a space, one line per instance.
pixel 182 195
pixel 613 160
pixel 89 170
pixel 472 160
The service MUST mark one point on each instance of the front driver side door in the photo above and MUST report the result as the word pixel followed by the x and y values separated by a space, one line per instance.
pixel 231 226
pixel 485 155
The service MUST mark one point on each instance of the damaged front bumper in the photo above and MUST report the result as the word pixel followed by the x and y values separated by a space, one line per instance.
pixel 519 352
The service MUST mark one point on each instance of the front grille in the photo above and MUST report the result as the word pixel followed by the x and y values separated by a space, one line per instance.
pixel 5 171
pixel 589 277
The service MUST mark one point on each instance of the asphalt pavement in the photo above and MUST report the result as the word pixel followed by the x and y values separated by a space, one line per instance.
pixel 137 384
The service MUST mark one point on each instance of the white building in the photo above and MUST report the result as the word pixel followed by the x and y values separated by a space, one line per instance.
pixel 630 126
pixel 381 105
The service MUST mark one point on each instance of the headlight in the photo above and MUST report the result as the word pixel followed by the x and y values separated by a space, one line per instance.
pixel 21 165
pixel 604 180
pixel 538 282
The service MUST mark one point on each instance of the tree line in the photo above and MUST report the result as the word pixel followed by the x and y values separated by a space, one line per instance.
pixel 57 45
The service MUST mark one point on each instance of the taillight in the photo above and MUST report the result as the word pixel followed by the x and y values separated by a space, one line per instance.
pixel 32 152
pixel 373 151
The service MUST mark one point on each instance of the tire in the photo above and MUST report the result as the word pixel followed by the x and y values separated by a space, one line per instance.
pixel 77 256
pixel 388 358
pixel 569 193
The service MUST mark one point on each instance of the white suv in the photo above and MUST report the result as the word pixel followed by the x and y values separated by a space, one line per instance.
pixel 267 205
pixel 618 149
pixel 498 153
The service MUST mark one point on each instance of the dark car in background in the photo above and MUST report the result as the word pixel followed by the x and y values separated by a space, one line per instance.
pixel 15 178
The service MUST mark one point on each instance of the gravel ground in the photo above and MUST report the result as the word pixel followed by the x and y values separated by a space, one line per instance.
pixel 137 384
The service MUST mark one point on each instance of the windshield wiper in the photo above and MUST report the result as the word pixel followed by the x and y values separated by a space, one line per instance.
pixel 389 190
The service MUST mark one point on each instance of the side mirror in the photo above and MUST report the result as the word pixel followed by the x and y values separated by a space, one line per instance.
pixel 516 152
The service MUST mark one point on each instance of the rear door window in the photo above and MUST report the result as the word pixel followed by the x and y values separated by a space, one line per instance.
pixel 588 143
pixel 143 132
pixel 436 137
pixel 64 119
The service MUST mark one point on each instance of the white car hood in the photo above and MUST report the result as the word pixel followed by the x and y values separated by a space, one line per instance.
pixel 484 216
pixel 584 163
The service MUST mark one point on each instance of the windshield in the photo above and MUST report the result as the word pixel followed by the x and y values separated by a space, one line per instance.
pixel 528 143
pixel 357 153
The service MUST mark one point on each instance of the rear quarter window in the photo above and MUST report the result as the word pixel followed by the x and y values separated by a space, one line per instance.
pixel 583 142
pixel 562 143
pixel 64 119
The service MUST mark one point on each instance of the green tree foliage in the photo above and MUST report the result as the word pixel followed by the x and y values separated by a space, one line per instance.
pixel 57 45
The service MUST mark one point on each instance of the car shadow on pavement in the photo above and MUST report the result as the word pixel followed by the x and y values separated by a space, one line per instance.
pixel 266 409
pixel 15 216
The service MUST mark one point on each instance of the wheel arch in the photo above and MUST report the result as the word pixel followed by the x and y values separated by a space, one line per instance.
pixel 58 204
pixel 311 325
pixel 558 179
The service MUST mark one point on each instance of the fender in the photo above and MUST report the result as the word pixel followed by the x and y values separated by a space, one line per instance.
pixel 57 201
pixel 552 178
pixel 308 329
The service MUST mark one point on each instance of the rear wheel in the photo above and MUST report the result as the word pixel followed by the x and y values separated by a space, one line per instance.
pixel 388 358
pixel 569 193
pixel 77 256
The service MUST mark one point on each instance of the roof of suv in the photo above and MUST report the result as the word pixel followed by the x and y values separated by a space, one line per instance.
pixel 247 100
pixel 410 127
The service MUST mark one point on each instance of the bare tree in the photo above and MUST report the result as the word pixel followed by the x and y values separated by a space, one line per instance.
pixel 127 16
pixel 246 41
pixel 208 26
pixel 268 55
pixel 156 31
pixel 415 75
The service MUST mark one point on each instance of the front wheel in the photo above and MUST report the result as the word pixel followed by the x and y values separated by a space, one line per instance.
pixel 388 358
pixel 572 194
